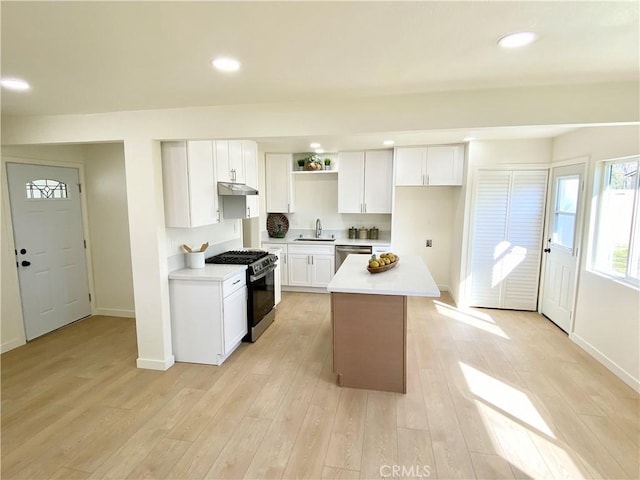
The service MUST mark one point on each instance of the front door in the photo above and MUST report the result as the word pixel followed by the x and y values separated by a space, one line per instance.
pixel 562 244
pixel 49 241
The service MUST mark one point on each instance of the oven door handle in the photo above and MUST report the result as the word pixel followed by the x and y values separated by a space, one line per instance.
pixel 263 273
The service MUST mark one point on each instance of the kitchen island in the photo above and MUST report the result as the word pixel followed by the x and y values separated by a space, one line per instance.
pixel 369 321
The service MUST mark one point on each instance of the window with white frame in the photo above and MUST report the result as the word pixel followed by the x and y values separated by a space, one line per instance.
pixel 617 229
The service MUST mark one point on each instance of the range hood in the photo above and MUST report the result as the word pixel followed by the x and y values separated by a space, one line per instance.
pixel 237 189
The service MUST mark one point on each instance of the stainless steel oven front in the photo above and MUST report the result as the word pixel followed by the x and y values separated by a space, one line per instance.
pixel 261 301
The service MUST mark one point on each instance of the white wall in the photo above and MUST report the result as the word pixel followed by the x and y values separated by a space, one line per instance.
pixel 221 237
pixel 423 213
pixel 109 229
pixel 607 313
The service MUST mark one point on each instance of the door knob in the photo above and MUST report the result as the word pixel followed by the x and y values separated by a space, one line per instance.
pixel 547 250
pixel 23 251
pixel 25 263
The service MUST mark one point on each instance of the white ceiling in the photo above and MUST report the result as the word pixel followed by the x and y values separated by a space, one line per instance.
pixel 85 57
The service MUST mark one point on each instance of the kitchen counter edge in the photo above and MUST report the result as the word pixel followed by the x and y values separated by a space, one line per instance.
pixel 338 241
pixel 210 272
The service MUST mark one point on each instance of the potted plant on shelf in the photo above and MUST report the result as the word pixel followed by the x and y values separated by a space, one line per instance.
pixel 301 163
pixel 313 163
pixel 327 164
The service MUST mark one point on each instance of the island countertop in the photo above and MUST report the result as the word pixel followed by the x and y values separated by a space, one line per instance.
pixel 410 277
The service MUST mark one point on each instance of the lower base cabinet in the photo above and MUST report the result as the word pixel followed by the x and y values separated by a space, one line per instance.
pixel 282 262
pixel 208 318
pixel 310 265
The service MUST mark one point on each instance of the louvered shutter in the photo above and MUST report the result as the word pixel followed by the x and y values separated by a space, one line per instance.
pixel 506 238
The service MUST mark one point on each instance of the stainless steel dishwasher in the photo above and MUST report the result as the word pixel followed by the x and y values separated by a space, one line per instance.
pixel 343 250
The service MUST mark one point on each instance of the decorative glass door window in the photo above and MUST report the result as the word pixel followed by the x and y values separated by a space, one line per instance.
pixel 46 189
pixel 565 208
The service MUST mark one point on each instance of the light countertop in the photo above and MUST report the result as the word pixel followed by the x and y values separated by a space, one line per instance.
pixel 338 241
pixel 210 272
pixel 410 277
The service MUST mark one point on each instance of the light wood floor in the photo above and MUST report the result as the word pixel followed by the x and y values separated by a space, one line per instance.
pixel 491 394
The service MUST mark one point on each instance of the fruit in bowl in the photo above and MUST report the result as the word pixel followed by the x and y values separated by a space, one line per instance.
pixel 383 262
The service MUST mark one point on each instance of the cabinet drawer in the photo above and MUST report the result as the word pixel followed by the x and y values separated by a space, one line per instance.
pixel 273 246
pixel 232 284
pixel 312 249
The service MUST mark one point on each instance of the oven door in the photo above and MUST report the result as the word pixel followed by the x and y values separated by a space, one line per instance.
pixel 261 295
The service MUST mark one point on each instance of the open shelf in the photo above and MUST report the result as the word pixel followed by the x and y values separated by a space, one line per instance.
pixel 314 172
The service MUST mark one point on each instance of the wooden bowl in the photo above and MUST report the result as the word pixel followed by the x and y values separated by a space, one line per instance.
pixel 385 268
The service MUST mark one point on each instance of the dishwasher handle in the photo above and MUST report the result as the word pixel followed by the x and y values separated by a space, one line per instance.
pixel 342 251
pixel 353 249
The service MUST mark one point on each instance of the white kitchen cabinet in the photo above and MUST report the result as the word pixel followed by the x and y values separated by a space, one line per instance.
pixel 310 265
pixel 235 324
pixel 279 183
pixel 250 159
pixel 365 182
pixel 190 184
pixel 230 165
pixel 208 318
pixel 429 165
pixel 282 260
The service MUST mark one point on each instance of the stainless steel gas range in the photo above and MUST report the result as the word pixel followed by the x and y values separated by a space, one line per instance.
pixel 260 286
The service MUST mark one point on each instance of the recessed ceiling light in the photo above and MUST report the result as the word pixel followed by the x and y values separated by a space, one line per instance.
pixel 468 139
pixel 519 39
pixel 226 64
pixel 314 145
pixel 319 150
pixel 15 84
pixel 388 143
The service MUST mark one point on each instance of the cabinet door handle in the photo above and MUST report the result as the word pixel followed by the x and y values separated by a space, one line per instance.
pixel 248 212
pixel 237 281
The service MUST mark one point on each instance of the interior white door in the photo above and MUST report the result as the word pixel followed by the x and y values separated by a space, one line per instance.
pixel 506 238
pixel 562 244
pixel 49 240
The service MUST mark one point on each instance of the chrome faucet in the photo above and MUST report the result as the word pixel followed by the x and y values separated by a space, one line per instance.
pixel 318 228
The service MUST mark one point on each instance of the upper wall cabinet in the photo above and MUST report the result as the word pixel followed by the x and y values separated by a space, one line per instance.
pixel 230 165
pixel 190 188
pixel 433 165
pixel 365 181
pixel 278 183
pixel 250 161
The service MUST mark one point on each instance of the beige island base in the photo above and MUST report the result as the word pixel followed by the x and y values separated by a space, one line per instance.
pixel 369 321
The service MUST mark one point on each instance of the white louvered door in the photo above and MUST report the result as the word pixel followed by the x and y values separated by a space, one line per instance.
pixel 506 238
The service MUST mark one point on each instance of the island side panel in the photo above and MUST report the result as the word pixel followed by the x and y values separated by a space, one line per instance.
pixel 369 341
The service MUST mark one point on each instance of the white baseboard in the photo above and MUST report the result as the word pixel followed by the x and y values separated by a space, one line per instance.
pixel 618 371
pixel 11 344
pixel 150 364
pixel 115 312
pixel 443 288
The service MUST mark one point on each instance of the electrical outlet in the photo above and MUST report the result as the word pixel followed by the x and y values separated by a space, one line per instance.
pixel 429 243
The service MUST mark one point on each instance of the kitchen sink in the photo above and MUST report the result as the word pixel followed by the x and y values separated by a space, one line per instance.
pixel 313 239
